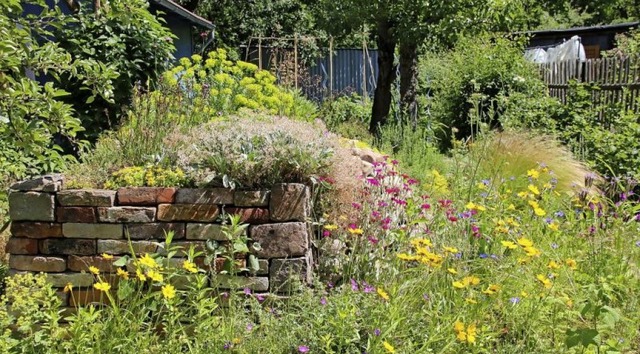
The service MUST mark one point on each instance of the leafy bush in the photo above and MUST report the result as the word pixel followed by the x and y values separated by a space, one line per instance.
pixel 475 84
pixel 122 35
pixel 348 116
pixel 603 135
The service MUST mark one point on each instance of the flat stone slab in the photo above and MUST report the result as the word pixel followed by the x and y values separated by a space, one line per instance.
pixel 94 231
pixel 188 212
pixel 37 263
pixel 86 197
pixel 126 214
pixel 156 230
pixel 216 196
pixel 281 240
pixel 251 198
pixel 225 281
pixel 31 206
pixel 36 229
pixel 290 202
pixel 146 195
pixel 47 183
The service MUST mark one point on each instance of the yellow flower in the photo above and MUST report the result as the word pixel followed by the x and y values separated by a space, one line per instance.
pixel 356 231
pixel 539 212
pixel 459 285
pixel 508 244
pixel 544 281
pixel 554 226
pixel 406 257
pixel 511 207
pixel 68 287
pixel 451 249
pixel 533 174
pixel 102 286
pixel 465 335
pixel 473 206
pixel 533 189
pixel 190 267
pixel 121 273
pixel 236 340
pixel 523 194
pixel 107 256
pixel 388 347
pixel 452 271
pixel 418 242
pixel 491 289
pixel 471 280
pixel 553 265
pixel 524 294
pixel 571 263
pixel 525 242
pixel 532 251
pixel 140 275
pixel 94 270
pixel 155 276
pixel 470 300
pixel 534 204
pixel 168 291
pixel 146 260
pixel 383 294
pixel 330 227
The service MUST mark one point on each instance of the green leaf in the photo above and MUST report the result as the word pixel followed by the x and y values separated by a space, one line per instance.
pixel 121 262
pixel 581 336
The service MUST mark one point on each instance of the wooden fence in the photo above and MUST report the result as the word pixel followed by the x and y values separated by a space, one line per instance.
pixel 613 81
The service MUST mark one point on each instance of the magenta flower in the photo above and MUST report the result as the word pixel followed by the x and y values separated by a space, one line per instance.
pixel 354 285
pixel 303 349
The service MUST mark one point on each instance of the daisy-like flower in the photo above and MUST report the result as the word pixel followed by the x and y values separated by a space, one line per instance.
pixel 148 261
pixel 107 256
pixel 102 286
pixel 168 291
pixel 68 287
pixel 388 347
pixel 190 266
pixel 94 270
pixel 383 294
pixel 155 276
pixel 123 274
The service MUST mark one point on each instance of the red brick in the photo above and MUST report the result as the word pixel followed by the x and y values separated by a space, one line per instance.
pixel 22 246
pixel 187 212
pixel 250 215
pixel 36 229
pixel 76 214
pixel 79 264
pixel 145 195
pixel 37 263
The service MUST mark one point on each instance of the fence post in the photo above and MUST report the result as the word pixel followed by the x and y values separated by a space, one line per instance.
pixel 260 52
pixel 331 66
pixel 295 54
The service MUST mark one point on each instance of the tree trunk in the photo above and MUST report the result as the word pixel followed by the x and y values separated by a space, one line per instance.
pixel 386 76
pixel 409 82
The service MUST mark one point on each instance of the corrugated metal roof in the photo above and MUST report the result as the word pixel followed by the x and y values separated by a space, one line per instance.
pixel 184 13
pixel 581 30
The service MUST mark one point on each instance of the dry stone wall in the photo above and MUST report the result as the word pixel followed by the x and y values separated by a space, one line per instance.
pixel 62 232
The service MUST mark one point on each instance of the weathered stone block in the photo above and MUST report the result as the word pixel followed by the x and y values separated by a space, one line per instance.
pixel 37 263
pixel 47 183
pixel 154 230
pixel 204 196
pixel 82 264
pixel 250 215
pixel 32 206
pixel 263 267
pixel 22 246
pixel 145 195
pixel 126 214
pixel 36 229
pixel 188 212
pixel 103 231
pixel 86 197
pixel 76 214
pixel 281 240
pixel 225 281
pixel 122 247
pixel 290 202
pixel 251 198
pixel 283 272
pixel 60 280
pixel 205 232
pixel 66 246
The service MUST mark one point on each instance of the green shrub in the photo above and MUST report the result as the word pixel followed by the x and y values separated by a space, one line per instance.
pixel 348 116
pixel 604 135
pixel 149 176
pixel 122 35
pixel 475 84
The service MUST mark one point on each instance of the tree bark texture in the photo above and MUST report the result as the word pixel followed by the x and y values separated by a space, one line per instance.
pixel 409 83
pixel 386 76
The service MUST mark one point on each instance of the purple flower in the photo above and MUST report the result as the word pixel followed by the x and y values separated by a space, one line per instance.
pixel 303 349
pixel 637 218
pixel 326 233
pixel 247 291
pixel 227 345
pixel 554 246
pixel 559 214
pixel 373 181
pixel 637 243
pixel 376 332
pixel 249 327
pixel 260 297
pixel 548 220
pixel 486 182
pixel 425 297
pixel 354 285
pixel 367 288
pixel 323 301
pixel 515 300
pixel 483 255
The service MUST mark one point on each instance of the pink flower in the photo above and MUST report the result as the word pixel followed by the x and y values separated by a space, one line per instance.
pixel 303 349
pixel 425 206
pixel 373 240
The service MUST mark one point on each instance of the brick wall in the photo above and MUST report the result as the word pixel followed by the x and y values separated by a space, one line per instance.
pixel 64 231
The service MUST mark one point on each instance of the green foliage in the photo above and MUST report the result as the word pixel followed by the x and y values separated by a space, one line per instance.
pixel 476 84
pixel 124 36
pixel 627 44
pixel 32 115
pixel 348 116
pixel 603 135
pixel 149 176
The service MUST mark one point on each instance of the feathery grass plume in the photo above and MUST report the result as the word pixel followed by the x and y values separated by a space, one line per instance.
pixel 514 153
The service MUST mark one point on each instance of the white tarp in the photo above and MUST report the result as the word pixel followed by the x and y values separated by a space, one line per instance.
pixel 569 50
